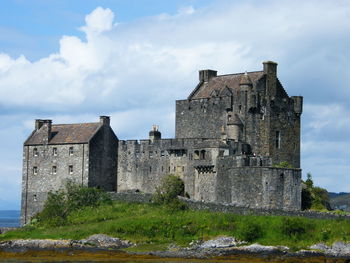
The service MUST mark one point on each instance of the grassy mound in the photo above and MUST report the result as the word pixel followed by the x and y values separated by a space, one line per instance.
pixel 161 225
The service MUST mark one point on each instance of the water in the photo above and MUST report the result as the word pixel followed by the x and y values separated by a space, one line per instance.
pixel 9 218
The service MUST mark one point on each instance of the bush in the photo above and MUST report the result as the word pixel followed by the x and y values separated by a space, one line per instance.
pixel 61 203
pixel 313 197
pixel 170 188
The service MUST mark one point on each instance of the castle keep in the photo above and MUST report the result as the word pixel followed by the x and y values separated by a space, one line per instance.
pixel 231 134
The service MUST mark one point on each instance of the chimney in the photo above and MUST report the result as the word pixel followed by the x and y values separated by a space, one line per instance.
pixel 270 69
pixel 154 134
pixel 44 129
pixel 105 120
pixel 38 124
pixel 206 75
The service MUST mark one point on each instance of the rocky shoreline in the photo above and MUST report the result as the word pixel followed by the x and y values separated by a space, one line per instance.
pixel 220 248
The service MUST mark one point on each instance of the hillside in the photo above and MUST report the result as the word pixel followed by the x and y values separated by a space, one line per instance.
pixel 340 201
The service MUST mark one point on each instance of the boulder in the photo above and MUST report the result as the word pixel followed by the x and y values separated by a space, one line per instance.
pixel 105 241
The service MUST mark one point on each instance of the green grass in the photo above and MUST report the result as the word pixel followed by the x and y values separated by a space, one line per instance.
pixel 155 226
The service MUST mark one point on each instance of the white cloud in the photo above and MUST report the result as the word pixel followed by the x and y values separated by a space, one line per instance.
pixel 98 21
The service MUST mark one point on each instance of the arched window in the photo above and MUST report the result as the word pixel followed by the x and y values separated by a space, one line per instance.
pixel 196 155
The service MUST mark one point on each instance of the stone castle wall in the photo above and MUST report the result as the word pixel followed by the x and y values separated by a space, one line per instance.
pixel 35 187
pixel 142 165
pixel 228 179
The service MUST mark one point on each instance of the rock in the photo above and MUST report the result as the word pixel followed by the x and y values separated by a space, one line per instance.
pixel 104 241
pixel 340 248
pixel 257 248
pixel 220 242
pixel 320 246
pixel 36 243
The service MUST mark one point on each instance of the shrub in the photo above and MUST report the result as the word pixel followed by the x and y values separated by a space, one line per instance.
pixel 306 199
pixel 59 204
pixel 170 188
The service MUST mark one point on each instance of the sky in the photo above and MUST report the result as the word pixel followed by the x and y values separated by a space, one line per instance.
pixel 72 61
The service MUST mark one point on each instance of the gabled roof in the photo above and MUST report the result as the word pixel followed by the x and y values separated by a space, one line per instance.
pixel 219 83
pixel 66 133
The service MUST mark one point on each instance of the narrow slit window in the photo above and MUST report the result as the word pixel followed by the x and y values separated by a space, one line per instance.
pixel 54 151
pixel 278 139
pixel 71 150
pixel 54 169
pixel 70 169
pixel 35 170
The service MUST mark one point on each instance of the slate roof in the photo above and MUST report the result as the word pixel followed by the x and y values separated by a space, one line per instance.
pixel 66 133
pixel 219 83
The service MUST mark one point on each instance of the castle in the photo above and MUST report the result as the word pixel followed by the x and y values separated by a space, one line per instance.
pixel 232 132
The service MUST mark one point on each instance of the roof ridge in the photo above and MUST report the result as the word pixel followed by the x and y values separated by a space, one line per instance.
pixel 232 74
pixel 66 124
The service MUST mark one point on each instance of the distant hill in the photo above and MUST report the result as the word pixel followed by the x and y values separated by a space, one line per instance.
pixel 340 201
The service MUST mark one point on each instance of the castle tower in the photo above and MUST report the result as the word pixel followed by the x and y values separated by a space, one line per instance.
pixel 234 127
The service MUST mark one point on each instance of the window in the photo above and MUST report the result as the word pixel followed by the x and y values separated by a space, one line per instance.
pixel 162 153
pixel 35 152
pixel 150 154
pixel 35 198
pixel 71 150
pixel 54 151
pixel 150 169
pixel 202 154
pixel 278 139
pixel 196 155
pixel 54 169
pixel 35 170
pixel 70 169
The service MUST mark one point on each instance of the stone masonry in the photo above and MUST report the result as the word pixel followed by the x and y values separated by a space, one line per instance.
pixel 232 132
pixel 55 154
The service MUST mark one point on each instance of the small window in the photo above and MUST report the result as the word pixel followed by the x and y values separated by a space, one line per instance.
pixel 278 139
pixel 196 155
pixel 35 170
pixel 183 168
pixel 54 151
pixel 162 153
pixel 202 154
pixel 54 169
pixel 150 169
pixel 150 154
pixel 35 198
pixel 162 169
pixel 35 152
pixel 71 150
pixel 70 169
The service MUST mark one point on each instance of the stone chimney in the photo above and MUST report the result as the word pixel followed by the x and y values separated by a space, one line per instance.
pixel 270 69
pixel 155 134
pixel 206 75
pixel 105 120
pixel 38 124
pixel 43 127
